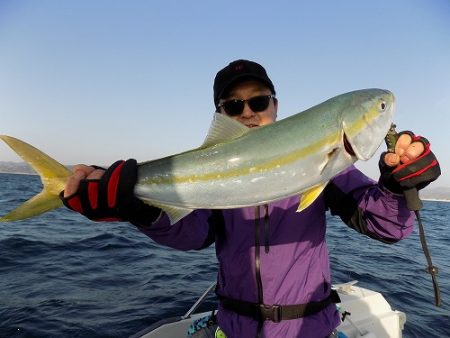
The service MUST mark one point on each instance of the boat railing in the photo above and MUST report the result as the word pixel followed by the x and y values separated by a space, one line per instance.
pixel 199 301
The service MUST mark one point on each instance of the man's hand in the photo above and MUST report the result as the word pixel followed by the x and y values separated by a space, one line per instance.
pixel 82 172
pixel 412 165
pixel 406 150
pixel 107 195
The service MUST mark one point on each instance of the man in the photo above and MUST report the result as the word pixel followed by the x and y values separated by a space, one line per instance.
pixel 267 254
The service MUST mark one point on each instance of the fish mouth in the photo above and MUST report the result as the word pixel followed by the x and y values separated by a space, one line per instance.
pixel 348 146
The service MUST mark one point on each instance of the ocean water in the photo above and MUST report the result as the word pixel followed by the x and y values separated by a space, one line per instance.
pixel 64 276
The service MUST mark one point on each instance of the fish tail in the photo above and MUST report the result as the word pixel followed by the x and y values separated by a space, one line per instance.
pixel 54 177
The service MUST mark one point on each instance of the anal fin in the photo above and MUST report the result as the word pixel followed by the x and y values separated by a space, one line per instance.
pixel 174 213
pixel 310 195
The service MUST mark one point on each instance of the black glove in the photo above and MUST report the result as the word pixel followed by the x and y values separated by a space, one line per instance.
pixel 415 174
pixel 111 198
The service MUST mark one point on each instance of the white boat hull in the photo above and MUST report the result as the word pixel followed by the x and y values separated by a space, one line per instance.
pixel 370 316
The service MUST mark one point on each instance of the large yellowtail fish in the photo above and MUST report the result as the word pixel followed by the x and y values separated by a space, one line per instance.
pixel 237 166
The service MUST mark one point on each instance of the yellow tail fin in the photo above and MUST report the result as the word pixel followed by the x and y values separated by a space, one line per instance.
pixel 53 176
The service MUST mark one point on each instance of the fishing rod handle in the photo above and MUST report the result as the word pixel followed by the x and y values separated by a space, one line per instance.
pixel 413 201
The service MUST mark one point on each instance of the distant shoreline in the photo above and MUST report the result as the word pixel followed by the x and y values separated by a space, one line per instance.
pixel 435 200
pixel 18 173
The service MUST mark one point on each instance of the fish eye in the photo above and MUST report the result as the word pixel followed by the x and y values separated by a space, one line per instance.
pixel 382 105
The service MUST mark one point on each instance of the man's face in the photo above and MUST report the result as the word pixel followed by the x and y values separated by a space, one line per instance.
pixel 247 90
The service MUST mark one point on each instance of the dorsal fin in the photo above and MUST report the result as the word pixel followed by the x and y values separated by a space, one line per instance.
pixel 222 129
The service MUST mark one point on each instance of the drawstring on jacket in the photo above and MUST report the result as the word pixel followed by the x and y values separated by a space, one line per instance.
pixel 258 257
pixel 266 228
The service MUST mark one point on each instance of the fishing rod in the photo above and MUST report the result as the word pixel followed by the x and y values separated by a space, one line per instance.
pixel 414 203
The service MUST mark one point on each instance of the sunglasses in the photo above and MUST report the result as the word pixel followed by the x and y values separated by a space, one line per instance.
pixel 257 104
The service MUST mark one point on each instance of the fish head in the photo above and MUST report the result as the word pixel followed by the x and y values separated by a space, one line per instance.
pixel 366 121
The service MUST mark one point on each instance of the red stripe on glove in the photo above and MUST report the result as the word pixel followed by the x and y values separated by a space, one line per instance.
pixel 425 153
pixel 75 204
pixel 419 172
pixel 113 185
pixel 93 194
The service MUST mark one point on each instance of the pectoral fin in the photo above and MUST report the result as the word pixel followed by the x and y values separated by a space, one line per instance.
pixel 310 195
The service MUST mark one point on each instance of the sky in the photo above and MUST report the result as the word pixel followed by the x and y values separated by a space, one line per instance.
pixel 93 81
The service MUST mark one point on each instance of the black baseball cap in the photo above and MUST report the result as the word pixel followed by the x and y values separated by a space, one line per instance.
pixel 236 72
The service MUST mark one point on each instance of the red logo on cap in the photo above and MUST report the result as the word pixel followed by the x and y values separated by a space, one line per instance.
pixel 239 67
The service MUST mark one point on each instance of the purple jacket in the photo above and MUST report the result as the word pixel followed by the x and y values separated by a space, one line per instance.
pixel 293 259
